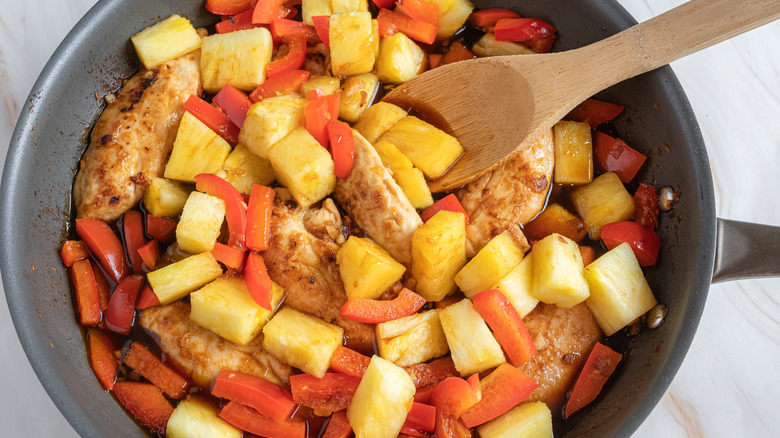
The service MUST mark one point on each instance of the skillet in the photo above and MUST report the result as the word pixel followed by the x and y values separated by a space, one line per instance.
pixel 53 131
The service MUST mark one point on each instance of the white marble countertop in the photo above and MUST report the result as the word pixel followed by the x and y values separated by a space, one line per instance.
pixel 728 384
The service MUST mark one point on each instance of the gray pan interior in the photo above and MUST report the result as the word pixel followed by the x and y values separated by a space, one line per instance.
pixel 52 133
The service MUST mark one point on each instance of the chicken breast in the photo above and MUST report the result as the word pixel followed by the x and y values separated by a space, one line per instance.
pixel 301 257
pixel 377 204
pixel 203 354
pixel 508 196
pixel 133 138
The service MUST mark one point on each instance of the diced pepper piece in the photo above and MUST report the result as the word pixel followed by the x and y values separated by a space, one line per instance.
pixel 645 242
pixel 487 18
pixel 420 420
pixel 248 419
pixel 332 392
pixel 234 103
pixel 149 254
pixel 237 22
pixel 322 27
pixel 387 4
pixel 105 246
pixel 457 52
pixel 341 147
pixel 431 373
pixel 228 7
pixel 283 83
pixel 265 397
pixel 507 325
pixel 421 10
pixel 139 358
pixel 147 299
pixel 215 119
pixel 448 203
pixel 121 308
pixel 257 280
pixel 350 362
pixel 502 390
pixel 414 29
pixel 235 208
pixel 73 250
pixel 594 112
pixel 259 212
pixel 229 256
pixel 522 29
pixel 614 155
pixel 283 28
pixel 338 426
pixel 86 290
pixel 646 207
pixel 452 397
pixel 293 60
pixel 375 311
pixel 540 45
pixel 434 59
pixel 320 111
pixel 146 402
pixel 160 228
pixel 601 363
pixel 266 11
pixel 104 289
pixel 101 356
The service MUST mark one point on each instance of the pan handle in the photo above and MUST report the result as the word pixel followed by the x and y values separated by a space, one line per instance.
pixel 746 250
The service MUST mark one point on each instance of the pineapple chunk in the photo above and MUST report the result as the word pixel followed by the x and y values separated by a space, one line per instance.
pixel 303 341
pixel 555 219
pixel 357 93
pixel 366 268
pixel 269 120
pixel 438 253
pixel 473 347
pixel 313 8
pixel 164 197
pixel 557 270
pixel 527 420
pixel 243 170
pixel 353 43
pixel 488 46
pixel 603 201
pixel 236 58
pixel 490 265
pixel 452 20
pixel 200 223
pixel 400 59
pixel 303 166
pixel 197 417
pixel 328 84
pixel 166 40
pixel 344 6
pixel 412 339
pixel 573 153
pixel 382 400
pixel 619 292
pixel 430 149
pixel 411 180
pixel 377 119
pixel 225 307
pixel 197 149
pixel 178 279
pixel 517 286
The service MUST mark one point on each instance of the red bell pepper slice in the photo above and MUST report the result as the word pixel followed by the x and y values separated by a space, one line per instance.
pixel 160 228
pixel 338 426
pixel 348 361
pixel 147 299
pixel 228 7
pixel 101 356
pixel 375 311
pixel 414 29
pixel 522 29
pixel 502 390
pixel 121 307
pixel 540 45
pixel 332 392
pixel 104 245
pixel 292 61
pixel 449 203
pixel 234 103
pixel 318 112
pixel 420 10
pixel 588 255
pixel 266 11
pixel 248 419
pixel 386 4
pixel 322 27
pixel 452 397
pixel 235 208
pixel 341 148
pixel 645 243
pixel 646 207
pixel 133 225
pixel 258 217
pixel 257 280
pixel 104 289
pixel 237 22
pixel 265 397
pixel 73 250
pixel 150 254
pixel 146 402
pixel 506 324
pixel 594 112
pixel 215 119
pixel 434 59
pixel 601 363
pixel 425 374
pixel 139 358
pixel 457 52
pixel 279 85
pixel 86 291
pixel 614 155
pixel 283 28
pixel 229 256
pixel 487 18
pixel 420 421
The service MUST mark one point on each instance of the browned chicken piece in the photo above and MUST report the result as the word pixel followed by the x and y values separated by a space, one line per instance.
pixel 301 257
pixel 133 138
pixel 377 204
pixel 203 354
pixel 508 196
pixel 317 60
pixel 564 338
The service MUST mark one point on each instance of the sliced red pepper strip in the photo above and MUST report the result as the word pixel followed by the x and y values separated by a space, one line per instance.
pixel 258 217
pixel 139 358
pixel 594 112
pixel 414 29
pixel 341 147
pixel 338 426
pixel 420 10
pixel 73 250
pixel 332 392
pixel 420 419
pixel 235 208
pixel 237 22
pixel 588 255
pixel 146 402
pixel 614 155
pixel 375 311
pixel 101 356
pixel 229 256
pixel 502 390
pixel 424 374
pixel 645 243
pixel 133 225
pixel 150 254
pixel 234 103
pixel 506 324
pixel 248 419
pixel 283 28
pixel 265 397
pixel 281 84
pixel 267 11
pixel 160 228
pixel 257 280
pixel 322 27
pixel 449 203
pixel 646 207
pixel 292 61
pixel 228 7
pixel 104 288
pixel 386 4
pixel 457 52
pixel 215 119
pixel 318 112
pixel 601 363
pixel 350 362
pixel 105 246
pixel 540 45
pixel 487 18
pixel 522 29
pixel 434 59
pixel 121 307
pixel 86 291
pixel 423 395
pixel 451 397
pixel 147 299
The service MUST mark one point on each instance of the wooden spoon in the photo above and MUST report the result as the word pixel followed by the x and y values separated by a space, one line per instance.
pixel 496 106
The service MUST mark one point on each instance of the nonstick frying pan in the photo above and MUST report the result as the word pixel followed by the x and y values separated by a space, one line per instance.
pixel 53 131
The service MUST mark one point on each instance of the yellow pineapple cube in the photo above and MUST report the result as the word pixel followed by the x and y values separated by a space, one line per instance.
pixel 269 120
pixel 382 400
pixel 555 219
pixel 517 286
pixel 357 93
pixel 366 268
pixel 200 223
pixel 619 292
pixel 328 84
pixel 430 149
pixel 438 253
pixel 314 8
pixel 302 341
pixel 178 279
pixel 452 19
pixel 412 339
pixel 494 261
pixel 354 39
pixel 400 59
pixel 377 119
pixel 488 46
pixel 473 347
pixel 197 149
pixel 527 420
pixel 557 270
pixel 196 416
pixel 410 179
pixel 603 201
pixel 243 169
pixel 573 153
pixel 344 6
pixel 302 165
pixel 173 37
pixel 236 58
pixel 164 197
